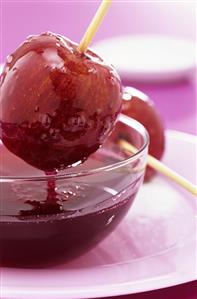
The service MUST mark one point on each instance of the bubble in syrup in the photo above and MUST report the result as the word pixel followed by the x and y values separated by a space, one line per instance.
pixel 37 108
pixel 9 59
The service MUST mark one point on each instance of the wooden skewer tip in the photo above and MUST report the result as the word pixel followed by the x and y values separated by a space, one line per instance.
pixel 94 25
pixel 165 170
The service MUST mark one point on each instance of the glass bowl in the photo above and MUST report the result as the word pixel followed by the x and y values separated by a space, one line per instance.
pixel 46 220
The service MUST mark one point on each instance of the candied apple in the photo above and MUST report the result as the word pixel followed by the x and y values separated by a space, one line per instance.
pixel 58 105
pixel 138 106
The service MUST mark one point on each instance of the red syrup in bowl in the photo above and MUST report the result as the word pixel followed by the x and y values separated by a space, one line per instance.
pixel 44 223
pixel 45 232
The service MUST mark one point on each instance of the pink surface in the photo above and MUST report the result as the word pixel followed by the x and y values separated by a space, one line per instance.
pixel 176 101
pixel 184 291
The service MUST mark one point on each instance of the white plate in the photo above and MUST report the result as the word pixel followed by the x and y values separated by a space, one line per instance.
pixel 154 247
pixel 149 57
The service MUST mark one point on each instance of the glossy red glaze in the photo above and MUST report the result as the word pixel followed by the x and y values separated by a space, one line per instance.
pixel 58 105
pixel 138 106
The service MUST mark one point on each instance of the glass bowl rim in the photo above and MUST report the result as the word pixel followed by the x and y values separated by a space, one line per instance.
pixel 124 119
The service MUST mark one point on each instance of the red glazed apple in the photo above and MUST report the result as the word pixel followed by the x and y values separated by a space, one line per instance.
pixel 138 106
pixel 57 105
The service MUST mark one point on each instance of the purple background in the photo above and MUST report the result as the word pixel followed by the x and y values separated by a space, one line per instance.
pixel 70 18
pixel 176 101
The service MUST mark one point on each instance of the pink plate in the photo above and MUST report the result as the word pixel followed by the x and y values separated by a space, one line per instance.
pixel 153 247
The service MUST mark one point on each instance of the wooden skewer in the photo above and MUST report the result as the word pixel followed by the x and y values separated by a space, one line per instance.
pixel 94 25
pixel 160 167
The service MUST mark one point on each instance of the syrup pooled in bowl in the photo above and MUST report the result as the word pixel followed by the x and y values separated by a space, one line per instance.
pixel 44 224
